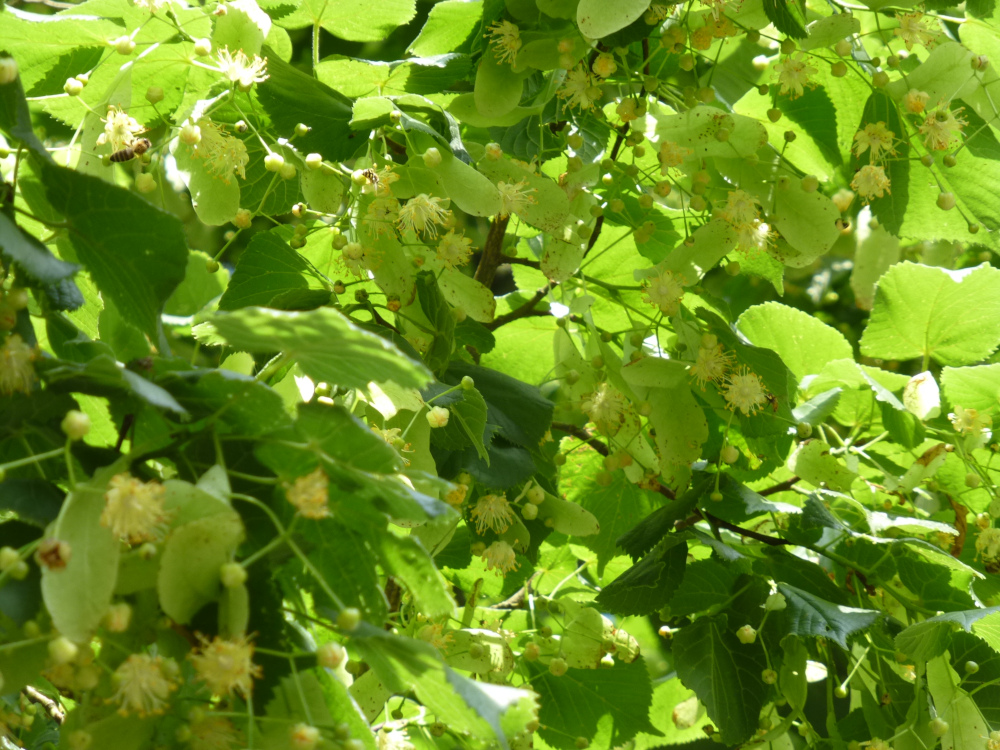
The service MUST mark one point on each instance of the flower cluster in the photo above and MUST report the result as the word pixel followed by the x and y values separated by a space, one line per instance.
pixel 743 216
pixel 606 408
pixel 143 684
pixel 913 31
pixel 120 129
pixel 240 69
pixel 795 74
pixel 514 197
pixel 226 666
pixel 505 39
pixel 969 421
pixel 664 291
pixel 454 250
pixel 500 556
pixel 744 390
pixel 423 214
pixel 310 494
pixel 941 128
pixel 711 363
pixel 133 509
pixel 579 89
pixel 877 140
pixel 870 182
pixel 671 155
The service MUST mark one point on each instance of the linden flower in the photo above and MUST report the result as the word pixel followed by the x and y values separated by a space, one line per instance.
pixel 514 197
pixel 752 238
pixel 142 686
pixel 579 89
pixel 210 732
pixel 915 101
pixel 912 31
pixel 422 213
pixel 606 408
pixel 151 5
pixel 743 390
pixel 454 250
pixel 665 292
pixel 240 69
pixel 310 494
pixel 878 744
pixel 133 509
pixel 17 371
pixel 457 496
pixel 875 138
pixel 505 39
pixel 393 739
pixel 120 130
pixel 969 421
pixel 224 154
pixel 382 214
pixel 672 155
pixel 741 208
pixel 711 365
pixel 492 512
pixel 870 182
pixel 794 73
pixel 500 556
pixel 988 545
pixel 226 666
pixel 604 65
pixel 941 128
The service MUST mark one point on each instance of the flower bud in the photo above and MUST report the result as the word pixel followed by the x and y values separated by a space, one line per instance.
pixel 145 183
pixel 8 70
pixel 437 416
pixel 432 158
pixel 314 161
pixel 730 454
pixel 203 47
pixel 304 737
pixel 154 94
pixel 301 129
pixel 746 634
pixel 123 45
pixel 273 162
pixel 73 87
pixel 190 134
pixel 75 425
pixel 330 655
pixel 287 171
pixel 62 650
pixel 349 618
pixel 118 617
pixel 243 218
pixel 232 574
pixel 558 667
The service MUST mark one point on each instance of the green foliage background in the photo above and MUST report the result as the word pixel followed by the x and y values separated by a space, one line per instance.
pixel 719 374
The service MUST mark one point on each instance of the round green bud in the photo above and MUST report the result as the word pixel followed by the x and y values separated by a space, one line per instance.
pixel 330 655
pixel 73 87
pixel 946 201
pixel 971 667
pixel 733 268
pixel 838 69
pixel 840 691
pixel 938 727
pixel 529 512
pixel 212 266
pixel 774 114
pixel 715 497
pixel 476 650
pixel 803 430
pixel 232 574
pixel 75 425
pixel 769 676
pixel 558 667
pixel 349 618
pixel 788 46
pixel 273 162
pixel 730 454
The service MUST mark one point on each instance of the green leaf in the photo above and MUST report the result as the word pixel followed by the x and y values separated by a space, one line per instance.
pixel 448 26
pixel 78 595
pixel 618 506
pixel 803 342
pixel 373 23
pixel 200 286
pixel 891 210
pixel 34 501
pixel 31 255
pixel 921 311
pixel 598 19
pixel 290 97
pixel 608 706
pixel 101 376
pixel 966 725
pixel 695 130
pixel 647 533
pixel 925 640
pixel 327 346
pixel 706 583
pixel 972 387
pixel 407 560
pixel 649 584
pixel 877 252
pixel 676 713
pixel 787 20
pixel 497 89
pixel 269 271
pixel 724 674
pixel 323 192
pixel 808 615
pixel 136 253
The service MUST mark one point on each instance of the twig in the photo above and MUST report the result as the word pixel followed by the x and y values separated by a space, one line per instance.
pixel 780 487
pixel 56 711
pixel 771 540
pixel 582 434
pixel 524 311
pixel 599 224
pixel 515 599
pixel 492 252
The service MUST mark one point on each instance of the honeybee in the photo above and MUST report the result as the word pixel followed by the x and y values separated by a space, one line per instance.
pixel 138 148
pixel 773 401
pixel 371 176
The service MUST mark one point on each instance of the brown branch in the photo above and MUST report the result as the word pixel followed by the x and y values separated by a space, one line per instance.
pixel 52 708
pixel 515 599
pixel 780 487
pixel 524 311
pixel 581 434
pixel 599 224
pixel 771 540
pixel 492 252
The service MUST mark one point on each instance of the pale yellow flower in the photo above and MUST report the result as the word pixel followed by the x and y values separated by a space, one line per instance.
pixel 915 101
pixel 151 5
pixel 492 512
pixel 741 208
pixel 875 138
pixel 969 421
pixel 514 197
pixel 310 494
pixel 711 365
pixel 912 31
pixel 17 369
pixel 224 154
pixel 672 155
pixel 870 182
pixel 500 556
pixel 120 130
pixel 240 69
pixel 143 686
pixel 505 38
pixel 604 65
pixel 211 732
pixel 382 214
pixel 392 738
pixel 743 390
pixel 133 509
pixel 225 666
pixel 606 408
pixel 942 128
pixel 423 213
pixel 579 89
pixel 988 545
pixel 752 238
pixel 454 250
pixel 795 73
pixel 665 292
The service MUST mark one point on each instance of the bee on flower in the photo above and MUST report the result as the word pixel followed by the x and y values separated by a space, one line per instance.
pixel 492 512
pixel 665 292
pixel 876 139
pixel 17 369
pixel 913 31
pixel 423 214
pixel 579 89
pixel 241 70
pixel 144 684
pixel 795 74
pixel 120 129
pixel 224 154
pixel 870 182
pixel 514 197
pixel 500 556
pixel 454 250
pixel 942 128
pixel 133 509
pixel 310 494
pixel 505 39
pixel 226 666
pixel 745 391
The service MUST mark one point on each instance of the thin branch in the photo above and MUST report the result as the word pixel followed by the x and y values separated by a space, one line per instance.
pixel 524 311
pixel 492 252
pixel 771 540
pixel 52 708
pixel 599 224
pixel 515 599
pixel 780 487
pixel 581 434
